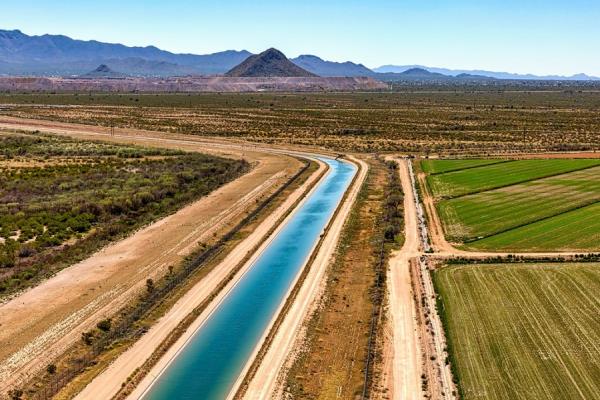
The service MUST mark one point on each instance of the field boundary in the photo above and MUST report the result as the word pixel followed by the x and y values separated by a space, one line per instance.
pixel 462 169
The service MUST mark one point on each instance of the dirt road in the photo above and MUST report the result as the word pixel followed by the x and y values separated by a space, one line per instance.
pixel 59 309
pixel 406 365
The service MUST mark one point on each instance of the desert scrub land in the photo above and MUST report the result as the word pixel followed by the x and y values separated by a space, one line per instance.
pixel 523 331
pixel 469 120
pixel 524 205
pixel 62 199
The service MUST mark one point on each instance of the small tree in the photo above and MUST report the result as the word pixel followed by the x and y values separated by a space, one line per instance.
pixel 149 285
pixel 87 337
pixel 15 394
pixel 104 325
pixel 51 369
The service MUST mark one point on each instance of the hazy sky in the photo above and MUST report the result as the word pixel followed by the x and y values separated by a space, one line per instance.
pixel 543 37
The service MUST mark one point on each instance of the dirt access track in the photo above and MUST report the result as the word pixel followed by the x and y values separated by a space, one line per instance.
pixel 42 322
pixel 402 354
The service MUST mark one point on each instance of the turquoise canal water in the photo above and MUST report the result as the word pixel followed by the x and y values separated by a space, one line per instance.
pixel 208 366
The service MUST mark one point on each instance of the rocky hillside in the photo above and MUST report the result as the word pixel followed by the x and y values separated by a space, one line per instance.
pixel 269 63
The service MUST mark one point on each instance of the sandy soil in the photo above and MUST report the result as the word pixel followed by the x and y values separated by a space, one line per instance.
pixel 59 309
pixel 267 381
pixel 405 367
pixel 190 84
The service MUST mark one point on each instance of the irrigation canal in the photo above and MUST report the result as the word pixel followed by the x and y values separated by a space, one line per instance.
pixel 211 361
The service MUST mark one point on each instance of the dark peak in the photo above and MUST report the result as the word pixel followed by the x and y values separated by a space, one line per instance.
pixel 11 34
pixel 271 62
pixel 416 71
pixel 103 71
pixel 103 68
pixel 272 54
pixel 309 57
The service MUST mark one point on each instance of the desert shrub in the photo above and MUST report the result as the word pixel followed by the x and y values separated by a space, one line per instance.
pixel 104 325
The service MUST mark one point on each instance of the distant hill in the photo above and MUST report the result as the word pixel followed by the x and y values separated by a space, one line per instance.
pixel 321 67
pixel 103 71
pixel 21 54
pixel 397 69
pixel 421 73
pixel 269 63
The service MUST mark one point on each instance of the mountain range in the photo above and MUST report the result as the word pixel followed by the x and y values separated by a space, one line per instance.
pixel 398 69
pixel 58 55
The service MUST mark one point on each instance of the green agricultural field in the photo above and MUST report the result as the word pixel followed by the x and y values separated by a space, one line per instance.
pixel 474 180
pixel 62 199
pixel 523 331
pixel 577 230
pixel 442 166
pixel 491 212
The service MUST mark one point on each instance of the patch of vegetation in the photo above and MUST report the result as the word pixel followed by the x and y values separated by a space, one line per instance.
pixel 523 330
pixel 525 212
pixel 577 230
pixel 62 199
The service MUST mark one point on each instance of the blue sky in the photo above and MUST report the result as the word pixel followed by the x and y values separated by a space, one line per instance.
pixel 543 37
